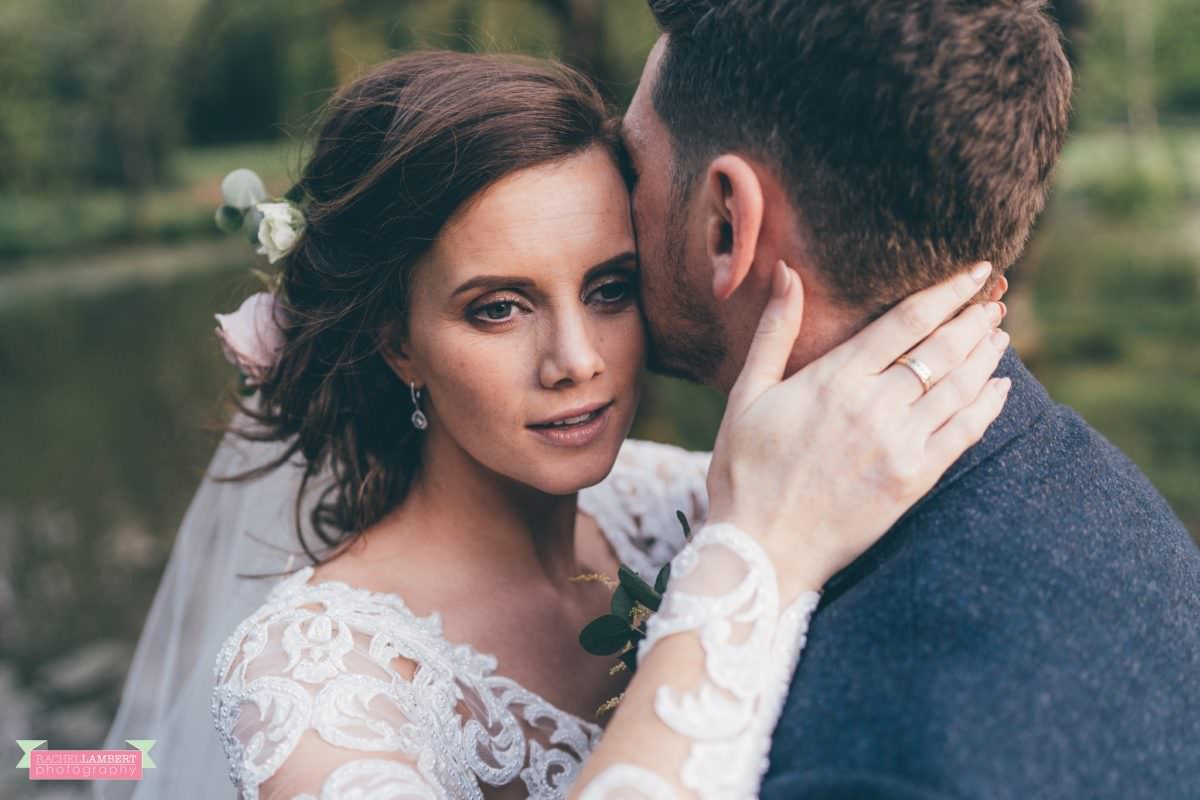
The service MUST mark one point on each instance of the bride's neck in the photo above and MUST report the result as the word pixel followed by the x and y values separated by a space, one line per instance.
pixel 462 512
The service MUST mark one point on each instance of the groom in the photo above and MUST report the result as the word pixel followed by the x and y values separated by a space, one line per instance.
pixel 1031 628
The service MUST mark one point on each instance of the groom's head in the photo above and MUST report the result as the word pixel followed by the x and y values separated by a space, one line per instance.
pixel 877 146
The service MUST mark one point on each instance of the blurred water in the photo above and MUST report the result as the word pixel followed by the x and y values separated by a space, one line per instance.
pixel 103 404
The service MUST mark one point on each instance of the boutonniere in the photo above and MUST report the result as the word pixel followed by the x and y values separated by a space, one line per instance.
pixel 633 602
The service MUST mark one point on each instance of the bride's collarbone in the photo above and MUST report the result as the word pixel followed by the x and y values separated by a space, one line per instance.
pixel 532 632
pixel 536 643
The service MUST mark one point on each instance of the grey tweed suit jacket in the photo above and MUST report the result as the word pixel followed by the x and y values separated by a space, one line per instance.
pixel 1031 628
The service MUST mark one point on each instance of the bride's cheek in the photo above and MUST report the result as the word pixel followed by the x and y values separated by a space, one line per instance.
pixel 630 339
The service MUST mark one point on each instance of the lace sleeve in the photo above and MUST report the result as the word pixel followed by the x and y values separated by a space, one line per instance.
pixel 311 707
pixel 636 504
pixel 717 695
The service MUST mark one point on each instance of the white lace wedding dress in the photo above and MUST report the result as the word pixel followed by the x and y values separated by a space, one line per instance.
pixel 339 692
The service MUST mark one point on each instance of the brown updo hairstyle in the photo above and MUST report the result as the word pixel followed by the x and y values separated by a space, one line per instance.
pixel 398 152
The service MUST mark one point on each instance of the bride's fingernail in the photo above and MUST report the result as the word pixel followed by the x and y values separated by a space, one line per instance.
pixel 1003 385
pixel 781 280
pixel 1003 309
pixel 981 271
pixel 999 338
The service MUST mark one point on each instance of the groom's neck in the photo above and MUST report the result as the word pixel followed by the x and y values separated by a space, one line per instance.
pixel 823 328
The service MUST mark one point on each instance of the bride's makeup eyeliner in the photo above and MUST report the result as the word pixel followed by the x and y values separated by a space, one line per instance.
pixel 617 266
pixel 626 283
pixel 494 304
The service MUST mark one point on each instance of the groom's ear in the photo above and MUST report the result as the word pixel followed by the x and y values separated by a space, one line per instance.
pixel 733 216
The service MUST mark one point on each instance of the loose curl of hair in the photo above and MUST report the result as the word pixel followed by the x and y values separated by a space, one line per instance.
pixel 398 152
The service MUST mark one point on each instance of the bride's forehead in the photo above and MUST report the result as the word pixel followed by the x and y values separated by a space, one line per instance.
pixel 584 185
pixel 539 260
pixel 545 217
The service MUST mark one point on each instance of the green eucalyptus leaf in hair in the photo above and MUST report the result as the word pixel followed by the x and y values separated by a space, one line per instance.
pixel 254 218
pixel 229 219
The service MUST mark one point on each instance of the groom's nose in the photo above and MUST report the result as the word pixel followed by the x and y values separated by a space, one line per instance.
pixel 568 352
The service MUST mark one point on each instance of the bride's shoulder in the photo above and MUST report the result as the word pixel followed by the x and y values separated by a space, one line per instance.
pixel 304 630
pixel 638 502
pixel 298 674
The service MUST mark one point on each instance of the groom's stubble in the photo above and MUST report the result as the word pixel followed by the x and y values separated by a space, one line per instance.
pixel 686 340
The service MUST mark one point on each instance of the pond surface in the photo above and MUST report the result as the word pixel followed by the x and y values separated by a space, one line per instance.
pixel 103 407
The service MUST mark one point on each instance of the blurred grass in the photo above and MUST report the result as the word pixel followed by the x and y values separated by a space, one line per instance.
pixel 1118 308
pixel 1148 179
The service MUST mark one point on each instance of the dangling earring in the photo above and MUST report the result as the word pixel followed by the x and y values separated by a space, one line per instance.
pixel 419 420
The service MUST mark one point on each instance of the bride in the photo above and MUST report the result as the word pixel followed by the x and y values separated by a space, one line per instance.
pixel 452 367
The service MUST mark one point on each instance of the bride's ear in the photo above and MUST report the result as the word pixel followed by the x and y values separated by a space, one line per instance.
pixel 393 346
pixel 733 218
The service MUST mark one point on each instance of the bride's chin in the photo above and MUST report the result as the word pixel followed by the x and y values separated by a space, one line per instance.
pixel 568 478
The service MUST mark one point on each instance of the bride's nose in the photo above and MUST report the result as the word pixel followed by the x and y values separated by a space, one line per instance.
pixel 569 352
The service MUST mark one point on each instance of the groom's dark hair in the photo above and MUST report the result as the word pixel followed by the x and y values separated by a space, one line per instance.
pixel 916 136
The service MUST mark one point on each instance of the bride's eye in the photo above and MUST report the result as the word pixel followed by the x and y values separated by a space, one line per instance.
pixel 498 311
pixel 614 292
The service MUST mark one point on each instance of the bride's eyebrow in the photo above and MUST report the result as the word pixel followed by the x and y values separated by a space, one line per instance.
pixel 491 282
pixel 626 259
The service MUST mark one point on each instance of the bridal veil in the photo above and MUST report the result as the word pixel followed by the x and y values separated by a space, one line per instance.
pixel 229 528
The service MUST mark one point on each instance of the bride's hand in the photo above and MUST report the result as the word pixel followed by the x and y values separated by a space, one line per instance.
pixel 819 466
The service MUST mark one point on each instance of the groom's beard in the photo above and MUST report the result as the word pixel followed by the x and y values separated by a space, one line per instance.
pixel 693 348
pixel 685 339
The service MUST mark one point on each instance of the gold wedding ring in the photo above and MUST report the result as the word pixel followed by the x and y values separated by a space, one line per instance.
pixel 924 374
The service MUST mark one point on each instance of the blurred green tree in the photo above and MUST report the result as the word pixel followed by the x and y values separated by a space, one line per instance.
pixel 85 98
pixel 244 71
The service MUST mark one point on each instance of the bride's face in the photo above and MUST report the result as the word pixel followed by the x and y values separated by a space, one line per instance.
pixel 526 310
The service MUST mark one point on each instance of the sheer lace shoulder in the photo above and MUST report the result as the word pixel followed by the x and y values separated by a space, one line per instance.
pixel 635 504
pixel 329 691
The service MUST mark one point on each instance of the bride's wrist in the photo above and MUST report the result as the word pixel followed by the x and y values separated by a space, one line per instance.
pixel 795 574
pixel 798 568
pixel 791 591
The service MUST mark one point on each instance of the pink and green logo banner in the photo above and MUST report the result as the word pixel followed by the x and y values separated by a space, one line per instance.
pixel 85 765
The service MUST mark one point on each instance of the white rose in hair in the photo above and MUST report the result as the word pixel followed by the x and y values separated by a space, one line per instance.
pixel 252 336
pixel 278 230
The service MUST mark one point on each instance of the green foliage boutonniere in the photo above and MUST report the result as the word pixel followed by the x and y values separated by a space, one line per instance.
pixel 633 602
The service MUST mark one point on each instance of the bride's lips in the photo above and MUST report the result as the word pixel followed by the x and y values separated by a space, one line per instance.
pixel 576 434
